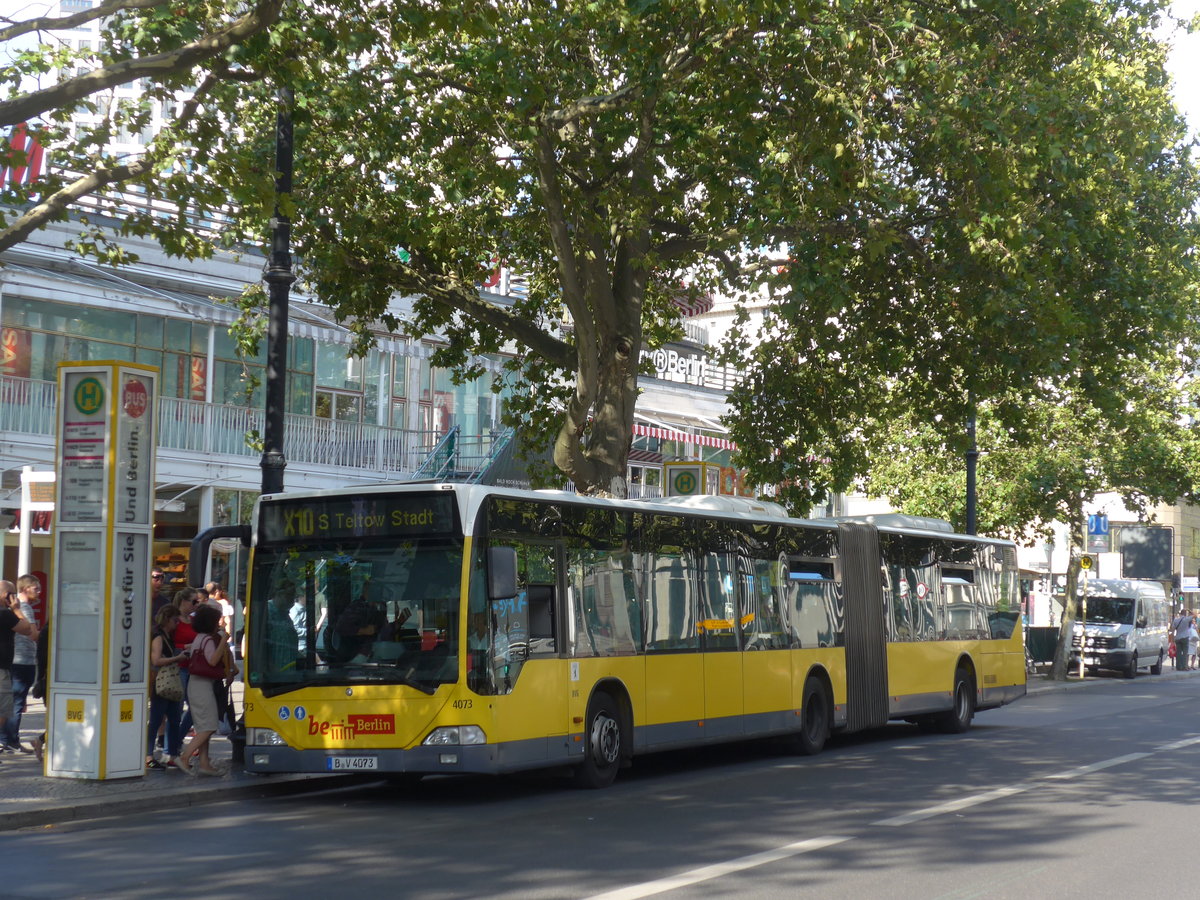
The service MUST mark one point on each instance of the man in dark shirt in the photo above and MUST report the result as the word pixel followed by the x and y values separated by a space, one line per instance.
pixel 158 591
pixel 11 622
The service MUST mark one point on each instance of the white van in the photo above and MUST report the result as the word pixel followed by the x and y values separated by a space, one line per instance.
pixel 1123 627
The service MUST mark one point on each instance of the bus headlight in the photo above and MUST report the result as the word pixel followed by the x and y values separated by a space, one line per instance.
pixel 455 735
pixel 264 737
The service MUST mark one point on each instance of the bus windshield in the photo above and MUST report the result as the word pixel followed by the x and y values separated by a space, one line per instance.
pixel 1109 610
pixel 367 611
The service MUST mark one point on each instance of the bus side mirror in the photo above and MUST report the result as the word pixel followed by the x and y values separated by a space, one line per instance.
pixel 502 573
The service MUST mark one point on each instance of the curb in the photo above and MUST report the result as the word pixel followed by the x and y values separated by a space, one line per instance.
pixel 1041 684
pixel 103 808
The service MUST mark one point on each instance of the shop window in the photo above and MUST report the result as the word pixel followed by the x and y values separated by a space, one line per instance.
pixel 337 370
pixel 339 407
pixel 399 414
pixel 150 331
pixel 81 350
pixel 376 377
pixel 232 385
pixel 179 334
pixel 224 347
pixel 300 354
pixel 150 358
pixel 300 394
pixel 399 377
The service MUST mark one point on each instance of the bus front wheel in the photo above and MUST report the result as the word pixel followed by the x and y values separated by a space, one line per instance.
pixel 601 744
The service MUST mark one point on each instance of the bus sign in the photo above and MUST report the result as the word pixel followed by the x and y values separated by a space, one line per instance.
pixel 362 516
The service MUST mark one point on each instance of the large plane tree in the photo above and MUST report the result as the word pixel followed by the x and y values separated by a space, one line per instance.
pixel 911 183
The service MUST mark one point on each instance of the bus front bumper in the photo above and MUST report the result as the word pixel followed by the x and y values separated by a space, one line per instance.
pixel 452 759
pixel 1102 659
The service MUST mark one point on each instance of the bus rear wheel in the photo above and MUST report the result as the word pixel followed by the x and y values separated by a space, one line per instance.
pixel 1156 669
pixel 958 718
pixel 602 742
pixel 814 719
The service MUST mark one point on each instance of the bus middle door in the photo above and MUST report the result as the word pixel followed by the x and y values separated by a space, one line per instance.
pixel 719 644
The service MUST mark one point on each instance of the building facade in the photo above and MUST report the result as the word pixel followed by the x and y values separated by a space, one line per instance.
pixel 348 420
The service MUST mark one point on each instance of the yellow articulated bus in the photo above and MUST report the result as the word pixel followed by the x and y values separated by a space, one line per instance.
pixel 450 628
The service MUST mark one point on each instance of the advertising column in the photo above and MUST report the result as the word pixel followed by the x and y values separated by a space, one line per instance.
pixel 96 721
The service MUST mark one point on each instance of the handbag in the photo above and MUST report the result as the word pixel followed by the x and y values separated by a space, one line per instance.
pixel 199 665
pixel 168 683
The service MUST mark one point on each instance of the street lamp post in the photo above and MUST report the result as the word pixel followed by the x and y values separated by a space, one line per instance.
pixel 279 277
pixel 972 460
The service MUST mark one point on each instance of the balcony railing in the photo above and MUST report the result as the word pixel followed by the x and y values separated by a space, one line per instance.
pixel 28 407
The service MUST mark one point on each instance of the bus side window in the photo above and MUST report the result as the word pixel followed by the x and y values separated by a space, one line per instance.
pixel 541 618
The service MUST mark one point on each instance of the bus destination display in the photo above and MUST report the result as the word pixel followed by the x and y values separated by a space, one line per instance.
pixel 382 515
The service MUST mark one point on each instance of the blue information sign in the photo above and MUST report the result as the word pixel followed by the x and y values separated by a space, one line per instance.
pixel 1098 524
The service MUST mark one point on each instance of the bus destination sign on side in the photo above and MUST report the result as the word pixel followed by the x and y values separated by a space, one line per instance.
pixel 383 515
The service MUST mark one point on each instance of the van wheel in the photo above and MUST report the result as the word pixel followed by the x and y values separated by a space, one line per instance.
pixel 601 744
pixel 1132 667
pixel 1156 669
pixel 958 718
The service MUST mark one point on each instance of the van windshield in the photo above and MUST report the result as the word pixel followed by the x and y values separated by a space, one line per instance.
pixel 1110 610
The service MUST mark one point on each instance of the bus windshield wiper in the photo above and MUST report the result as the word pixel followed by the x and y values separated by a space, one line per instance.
pixel 423 686
pixel 275 690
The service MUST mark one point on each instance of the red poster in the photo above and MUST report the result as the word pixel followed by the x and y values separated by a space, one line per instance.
pixel 193 377
pixel 14 352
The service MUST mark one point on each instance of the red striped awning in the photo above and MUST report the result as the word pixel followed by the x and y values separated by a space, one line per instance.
pixel 666 434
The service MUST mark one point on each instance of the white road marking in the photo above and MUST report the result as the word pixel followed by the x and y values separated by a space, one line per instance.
pixel 1178 745
pixel 718 870
pixel 953 805
pixel 1096 767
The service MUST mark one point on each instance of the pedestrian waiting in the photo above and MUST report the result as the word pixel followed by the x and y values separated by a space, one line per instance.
pixel 1180 627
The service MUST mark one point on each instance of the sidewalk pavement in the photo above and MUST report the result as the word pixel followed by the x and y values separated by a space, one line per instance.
pixel 28 798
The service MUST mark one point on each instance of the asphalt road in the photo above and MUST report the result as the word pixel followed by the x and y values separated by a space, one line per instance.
pixel 1076 793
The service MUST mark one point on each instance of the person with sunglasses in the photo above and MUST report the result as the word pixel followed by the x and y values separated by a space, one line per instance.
pixel 159 597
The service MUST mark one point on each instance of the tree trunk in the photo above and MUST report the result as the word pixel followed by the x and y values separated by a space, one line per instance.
pixel 598 463
pixel 1066 630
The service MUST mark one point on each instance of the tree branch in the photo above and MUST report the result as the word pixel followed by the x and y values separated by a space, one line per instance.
pixel 98 178
pixel 461 297
pixel 102 176
pixel 68 92
pixel 556 216
pixel 57 23
pixel 679 63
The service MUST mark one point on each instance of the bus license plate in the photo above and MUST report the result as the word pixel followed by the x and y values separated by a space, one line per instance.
pixel 351 763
